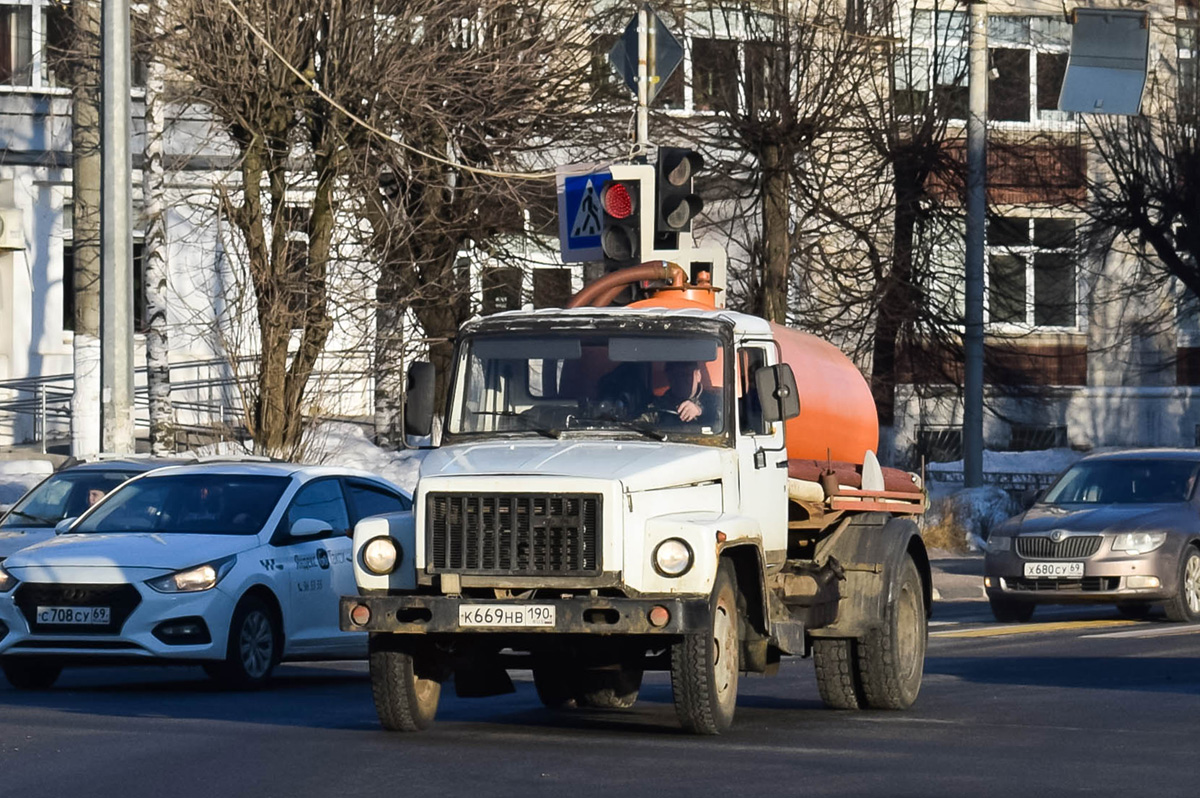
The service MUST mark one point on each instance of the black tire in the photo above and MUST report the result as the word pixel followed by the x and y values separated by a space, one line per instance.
pixel 254 648
pixel 705 667
pixel 837 677
pixel 31 673
pixel 1135 610
pixel 1184 606
pixel 557 683
pixel 610 688
pixel 891 659
pixel 405 686
pixel 1011 611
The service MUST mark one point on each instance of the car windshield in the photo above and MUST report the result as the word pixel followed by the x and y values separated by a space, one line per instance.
pixel 1125 482
pixel 221 504
pixel 67 494
pixel 546 383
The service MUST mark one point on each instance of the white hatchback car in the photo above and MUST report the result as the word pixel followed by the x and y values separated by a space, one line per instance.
pixel 234 566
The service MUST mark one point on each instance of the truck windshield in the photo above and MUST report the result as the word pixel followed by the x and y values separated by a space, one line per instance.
pixel 658 385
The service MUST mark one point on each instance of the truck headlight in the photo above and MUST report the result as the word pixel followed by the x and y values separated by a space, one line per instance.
pixel 673 557
pixel 1139 542
pixel 196 579
pixel 381 555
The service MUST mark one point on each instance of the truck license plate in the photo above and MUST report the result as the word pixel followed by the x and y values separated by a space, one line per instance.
pixel 1054 570
pixel 506 615
pixel 87 616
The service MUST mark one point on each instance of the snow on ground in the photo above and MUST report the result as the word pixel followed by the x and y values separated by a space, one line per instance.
pixel 1045 461
pixel 347 445
pixel 18 476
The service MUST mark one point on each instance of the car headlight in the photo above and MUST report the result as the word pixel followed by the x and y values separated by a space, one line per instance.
pixel 673 557
pixel 1139 542
pixel 7 580
pixel 999 543
pixel 195 579
pixel 381 555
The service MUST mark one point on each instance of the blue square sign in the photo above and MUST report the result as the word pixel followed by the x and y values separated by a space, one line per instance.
pixel 580 216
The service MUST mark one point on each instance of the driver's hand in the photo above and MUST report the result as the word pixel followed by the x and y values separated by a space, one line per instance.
pixel 689 410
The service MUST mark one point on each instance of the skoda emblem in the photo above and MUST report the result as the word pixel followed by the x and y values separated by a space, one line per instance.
pixel 1057 535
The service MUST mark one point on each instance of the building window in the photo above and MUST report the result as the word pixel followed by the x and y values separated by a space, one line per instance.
pixel 16 45
pixel 1187 42
pixel 1027 60
pixel 551 288
pixel 940 444
pixel 937 59
pixel 501 290
pixel 714 75
pixel 139 287
pixel 1031 271
pixel 1027 438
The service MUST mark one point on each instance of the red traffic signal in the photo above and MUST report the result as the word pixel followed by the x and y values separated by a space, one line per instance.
pixel 620 238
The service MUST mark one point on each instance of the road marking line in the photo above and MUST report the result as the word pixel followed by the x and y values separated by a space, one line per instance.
pixel 1153 631
pixel 1030 629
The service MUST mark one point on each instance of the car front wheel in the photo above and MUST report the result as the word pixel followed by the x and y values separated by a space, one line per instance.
pixel 254 648
pixel 1184 607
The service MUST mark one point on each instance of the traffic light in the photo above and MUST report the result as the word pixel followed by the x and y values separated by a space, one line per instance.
pixel 675 203
pixel 623 200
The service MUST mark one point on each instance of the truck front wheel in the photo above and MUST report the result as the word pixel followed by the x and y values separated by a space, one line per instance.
pixel 404 684
pixel 891 659
pixel 704 667
pixel 837 676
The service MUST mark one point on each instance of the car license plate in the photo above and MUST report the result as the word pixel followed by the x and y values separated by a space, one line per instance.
pixel 1054 570
pixel 87 616
pixel 506 615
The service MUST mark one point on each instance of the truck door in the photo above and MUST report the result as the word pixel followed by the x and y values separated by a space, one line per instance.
pixel 762 459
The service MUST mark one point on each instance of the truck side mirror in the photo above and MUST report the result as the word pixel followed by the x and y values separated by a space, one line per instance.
pixel 419 398
pixel 776 386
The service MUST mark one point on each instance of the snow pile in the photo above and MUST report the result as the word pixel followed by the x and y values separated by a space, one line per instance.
pixel 348 446
pixel 963 520
pixel 1045 461
pixel 18 476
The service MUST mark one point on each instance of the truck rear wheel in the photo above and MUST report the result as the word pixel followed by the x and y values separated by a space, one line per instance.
pixel 556 682
pixel 704 667
pixel 837 679
pixel 404 686
pixel 891 659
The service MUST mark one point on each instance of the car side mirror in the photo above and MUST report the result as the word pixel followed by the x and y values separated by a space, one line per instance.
pixel 777 394
pixel 1031 496
pixel 62 526
pixel 419 397
pixel 309 528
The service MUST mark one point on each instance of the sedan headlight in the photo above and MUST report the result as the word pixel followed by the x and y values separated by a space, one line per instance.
pixel 673 557
pixel 381 555
pixel 196 579
pixel 999 543
pixel 1139 542
pixel 7 580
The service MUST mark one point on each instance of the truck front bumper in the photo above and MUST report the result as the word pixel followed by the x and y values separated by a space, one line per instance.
pixel 419 615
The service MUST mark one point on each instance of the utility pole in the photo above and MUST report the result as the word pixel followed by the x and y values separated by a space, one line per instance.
pixel 85 193
pixel 116 234
pixel 977 76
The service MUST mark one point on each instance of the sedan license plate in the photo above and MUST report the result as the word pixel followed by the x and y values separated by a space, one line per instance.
pixel 1054 570
pixel 85 616
pixel 506 615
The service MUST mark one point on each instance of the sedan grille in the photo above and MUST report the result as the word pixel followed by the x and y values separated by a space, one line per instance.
pixel 514 533
pixel 1069 548
pixel 120 600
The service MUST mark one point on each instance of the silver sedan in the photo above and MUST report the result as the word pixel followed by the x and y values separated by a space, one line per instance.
pixel 1118 528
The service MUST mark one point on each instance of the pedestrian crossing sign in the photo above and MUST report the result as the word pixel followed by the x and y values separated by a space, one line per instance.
pixel 580 218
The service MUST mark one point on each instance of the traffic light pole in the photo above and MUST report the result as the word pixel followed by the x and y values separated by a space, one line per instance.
pixel 645 51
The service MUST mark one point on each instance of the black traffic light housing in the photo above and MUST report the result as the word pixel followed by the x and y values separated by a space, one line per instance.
pixel 620 234
pixel 675 203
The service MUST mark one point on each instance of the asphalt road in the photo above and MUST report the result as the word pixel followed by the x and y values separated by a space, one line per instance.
pixel 1078 702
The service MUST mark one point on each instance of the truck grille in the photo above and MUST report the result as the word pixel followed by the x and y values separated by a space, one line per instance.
pixel 514 533
pixel 1069 548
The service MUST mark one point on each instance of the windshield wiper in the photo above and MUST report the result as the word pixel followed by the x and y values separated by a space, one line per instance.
pixel 526 422
pixel 32 517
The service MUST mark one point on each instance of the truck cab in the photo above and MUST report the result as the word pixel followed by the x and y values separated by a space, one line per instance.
pixel 610 494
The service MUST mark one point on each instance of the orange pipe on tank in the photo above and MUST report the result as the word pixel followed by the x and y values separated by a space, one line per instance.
pixel 650 270
pixel 837 412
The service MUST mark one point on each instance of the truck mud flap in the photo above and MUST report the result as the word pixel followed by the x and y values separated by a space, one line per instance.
pixel 419 615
